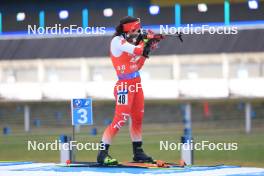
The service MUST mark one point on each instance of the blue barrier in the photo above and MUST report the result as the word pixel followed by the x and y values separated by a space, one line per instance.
pixel 6 130
pixel 93 132
pixel 37 123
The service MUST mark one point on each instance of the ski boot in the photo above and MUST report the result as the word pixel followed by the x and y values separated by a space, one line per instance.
pixel 139 154
pixel 104 158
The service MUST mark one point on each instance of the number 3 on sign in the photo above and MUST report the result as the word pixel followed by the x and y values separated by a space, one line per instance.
pixel 82 116
pixel 82 111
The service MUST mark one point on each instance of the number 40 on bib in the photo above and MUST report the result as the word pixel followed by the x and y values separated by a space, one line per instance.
pixel 82 113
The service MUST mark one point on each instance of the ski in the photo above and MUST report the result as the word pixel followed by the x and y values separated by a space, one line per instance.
pixel 155 164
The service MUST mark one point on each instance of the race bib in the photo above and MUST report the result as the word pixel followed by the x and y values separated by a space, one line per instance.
pixel 122 97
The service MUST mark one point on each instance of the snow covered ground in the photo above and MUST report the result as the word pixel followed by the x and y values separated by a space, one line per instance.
pixel 51 169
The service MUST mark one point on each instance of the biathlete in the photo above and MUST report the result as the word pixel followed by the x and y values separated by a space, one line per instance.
pixel 128 56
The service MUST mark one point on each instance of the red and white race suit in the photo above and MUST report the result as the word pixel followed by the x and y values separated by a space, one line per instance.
pixel 127 60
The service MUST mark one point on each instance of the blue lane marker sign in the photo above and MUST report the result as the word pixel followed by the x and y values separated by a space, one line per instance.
pixel 82 113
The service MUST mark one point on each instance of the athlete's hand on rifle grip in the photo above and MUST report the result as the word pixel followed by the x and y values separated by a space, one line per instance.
pixel 146 51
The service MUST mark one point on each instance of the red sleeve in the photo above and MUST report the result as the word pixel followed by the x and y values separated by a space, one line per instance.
pixel 139 49
pixel 141 62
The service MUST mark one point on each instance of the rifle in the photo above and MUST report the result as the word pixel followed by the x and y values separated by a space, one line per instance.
pixel 149 35
pixel 151 39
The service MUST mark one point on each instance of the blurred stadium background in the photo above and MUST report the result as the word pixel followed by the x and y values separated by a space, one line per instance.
pixel 221 76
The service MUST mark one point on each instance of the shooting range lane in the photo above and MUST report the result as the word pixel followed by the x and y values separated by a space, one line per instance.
pixel 26 168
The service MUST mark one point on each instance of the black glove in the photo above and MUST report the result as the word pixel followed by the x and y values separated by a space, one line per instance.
pixel 148 47
pixel 146 51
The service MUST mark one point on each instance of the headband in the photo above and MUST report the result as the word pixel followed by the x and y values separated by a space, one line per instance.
pixel 131 26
